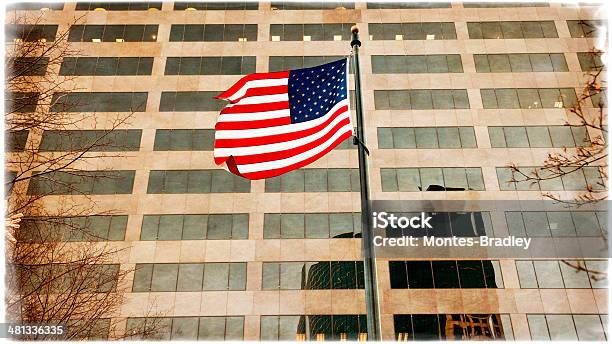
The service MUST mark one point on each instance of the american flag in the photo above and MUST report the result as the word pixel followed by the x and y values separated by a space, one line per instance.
pixel 280 121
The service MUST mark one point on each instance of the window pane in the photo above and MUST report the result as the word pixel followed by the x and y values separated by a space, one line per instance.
pixel 548 273
pixel 190 277
pixel 507 98
pixel 164 277
pixel 539 137
pixel 317 225
pixel 516 137
pixel 538 327
pixel 426 138
pixel 449 138
pixel 216 276
pixel 292 226
pixel 561 327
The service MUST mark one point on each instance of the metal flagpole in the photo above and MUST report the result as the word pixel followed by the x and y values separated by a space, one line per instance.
pixel 371 290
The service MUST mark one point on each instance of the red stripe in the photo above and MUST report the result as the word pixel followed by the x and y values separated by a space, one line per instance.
pixel 246 108
pixel 266 91
pixel 278 155
pixel 263 140
pixel 279 171
pixel 256 76
pixel 262 123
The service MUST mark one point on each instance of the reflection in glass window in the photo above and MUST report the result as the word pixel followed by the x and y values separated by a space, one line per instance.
pixel 445 274
pixel 417 327
pixel 569 179
pixel 312 275
pixel 570 274
pixel 432 179
pixel 312 225
pixel 313 327
pixel 567 327
pixel 586 28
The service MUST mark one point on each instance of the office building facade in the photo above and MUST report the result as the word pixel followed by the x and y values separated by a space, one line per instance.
pixel 453 92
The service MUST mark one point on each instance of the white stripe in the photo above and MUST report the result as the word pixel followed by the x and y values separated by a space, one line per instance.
pixel 280 146
pixel 257 83
pixel 281 97
pixel 272 165
pixel 281 129
pixel 253 116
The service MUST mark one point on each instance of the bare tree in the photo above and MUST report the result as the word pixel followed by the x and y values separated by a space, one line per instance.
pixel 593 153
pixel 60 270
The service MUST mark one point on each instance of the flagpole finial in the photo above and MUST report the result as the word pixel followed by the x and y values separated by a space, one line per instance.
pixel 355 36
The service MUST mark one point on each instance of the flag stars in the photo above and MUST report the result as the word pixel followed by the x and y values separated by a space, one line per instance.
pixel 313 94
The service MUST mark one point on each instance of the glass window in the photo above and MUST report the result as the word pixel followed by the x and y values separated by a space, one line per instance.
pixel 507 98
pixel 91 140
pixel 511 29
pixel 526 273
pixel 548 274
pixel 585 28
pixel 538 327
pixel 86 182
pixel 412 31
pixel 561 327
pixel 211 6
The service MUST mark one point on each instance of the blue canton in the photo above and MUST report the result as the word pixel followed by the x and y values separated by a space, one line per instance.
pixel 314 91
